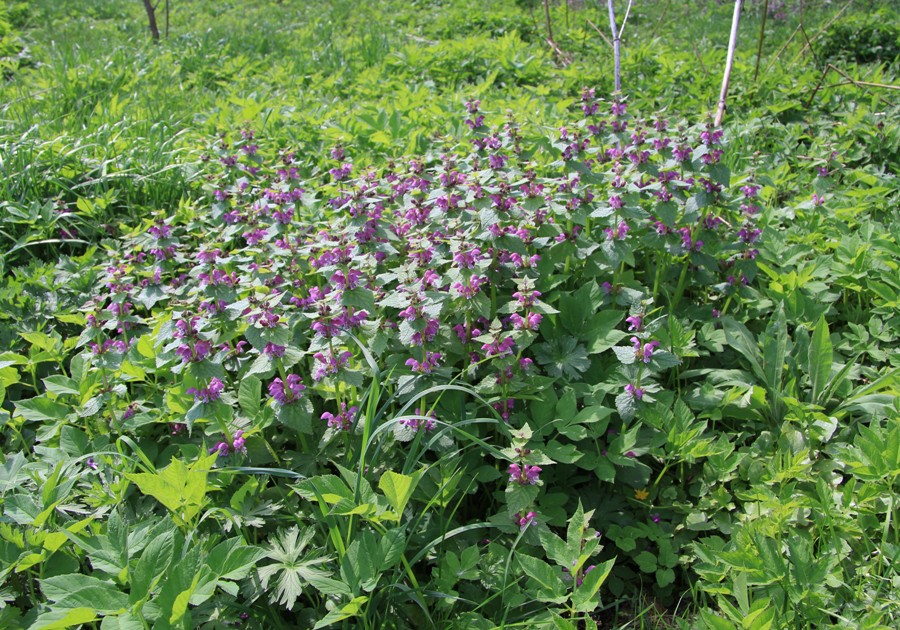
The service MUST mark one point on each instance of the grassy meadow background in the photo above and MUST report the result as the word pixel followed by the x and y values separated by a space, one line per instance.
pixel 746 292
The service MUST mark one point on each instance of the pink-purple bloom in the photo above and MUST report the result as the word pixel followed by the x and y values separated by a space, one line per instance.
pixel 343 420
pixel 644 351
pixel 524 475
pixel 288 391
pixel 208 394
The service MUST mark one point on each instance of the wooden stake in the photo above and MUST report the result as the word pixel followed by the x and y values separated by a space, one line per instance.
pixel 732 45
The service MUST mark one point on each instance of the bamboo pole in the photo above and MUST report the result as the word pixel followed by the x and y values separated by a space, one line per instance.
pixel 732 45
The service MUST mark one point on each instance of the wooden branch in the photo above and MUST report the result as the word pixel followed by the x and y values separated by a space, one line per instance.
pixel 700 59
pixel 823 29
pixel 782 49
pixel 831 67
pixel 762 32
pixel 547 14
pixel 732 45
pixel 660 20
pixel 600 33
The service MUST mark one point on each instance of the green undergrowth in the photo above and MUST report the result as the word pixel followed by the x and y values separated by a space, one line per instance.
pixel 391 315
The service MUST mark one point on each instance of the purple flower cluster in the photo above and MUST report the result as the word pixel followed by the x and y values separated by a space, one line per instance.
pixel 287 391
pixel 238 445
pixel 431 362
pixel 342 420
pixel 524 474
pixel 209 393
pixel 643 351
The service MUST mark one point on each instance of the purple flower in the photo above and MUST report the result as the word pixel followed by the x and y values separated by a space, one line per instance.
pixel 327 364
pixel 209 393
pixel 531 321
pixel 634 391
pixel 524 521
pixel 343 420
pixel 750 191
pixel 432 359
pixel 644 351
pixel 619 233
pixel 285 395
pixel 498 347
pixel 239 443
pixel 420 424
pixel 274 350
pixel 635 322
pixel 524 475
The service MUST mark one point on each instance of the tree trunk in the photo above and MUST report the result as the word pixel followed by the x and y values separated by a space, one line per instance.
pixel 151 17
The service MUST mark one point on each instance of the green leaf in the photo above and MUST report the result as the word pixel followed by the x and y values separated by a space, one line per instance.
pixel 398 489
pixel 519 497
pixel 600 331
pixel 82 591
pixel 347 611
pixel 152 565
pixel 820 357
pixel 584 597
pixel 61 385
pixel 550 586
pixel 42 409
pixel 56 619
pixel 664 577
pixel 712 621
pixel 182 489
pixel 233 559
pixel 555 548
pixel 249 395
pixel 125 621
pixel 646 561
pixel 577 307
pixel 391 547
pixel 297 415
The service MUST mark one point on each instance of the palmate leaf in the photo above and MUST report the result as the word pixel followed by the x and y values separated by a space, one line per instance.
pixel 563 356
pixel 294 567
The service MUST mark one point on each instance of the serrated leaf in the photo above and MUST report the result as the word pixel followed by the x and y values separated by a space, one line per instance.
pixel 625 354
pixel 61 385
pixel 250 395
pixel 584 597
pixel 519 497
pixel 551 587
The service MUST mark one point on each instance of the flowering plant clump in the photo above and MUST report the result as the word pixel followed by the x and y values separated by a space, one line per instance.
pixel 523 298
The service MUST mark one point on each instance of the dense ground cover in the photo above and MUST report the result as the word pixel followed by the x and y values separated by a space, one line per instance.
pixel 390 315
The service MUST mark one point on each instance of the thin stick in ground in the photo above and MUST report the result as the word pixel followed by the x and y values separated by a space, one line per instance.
pixel 732 45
